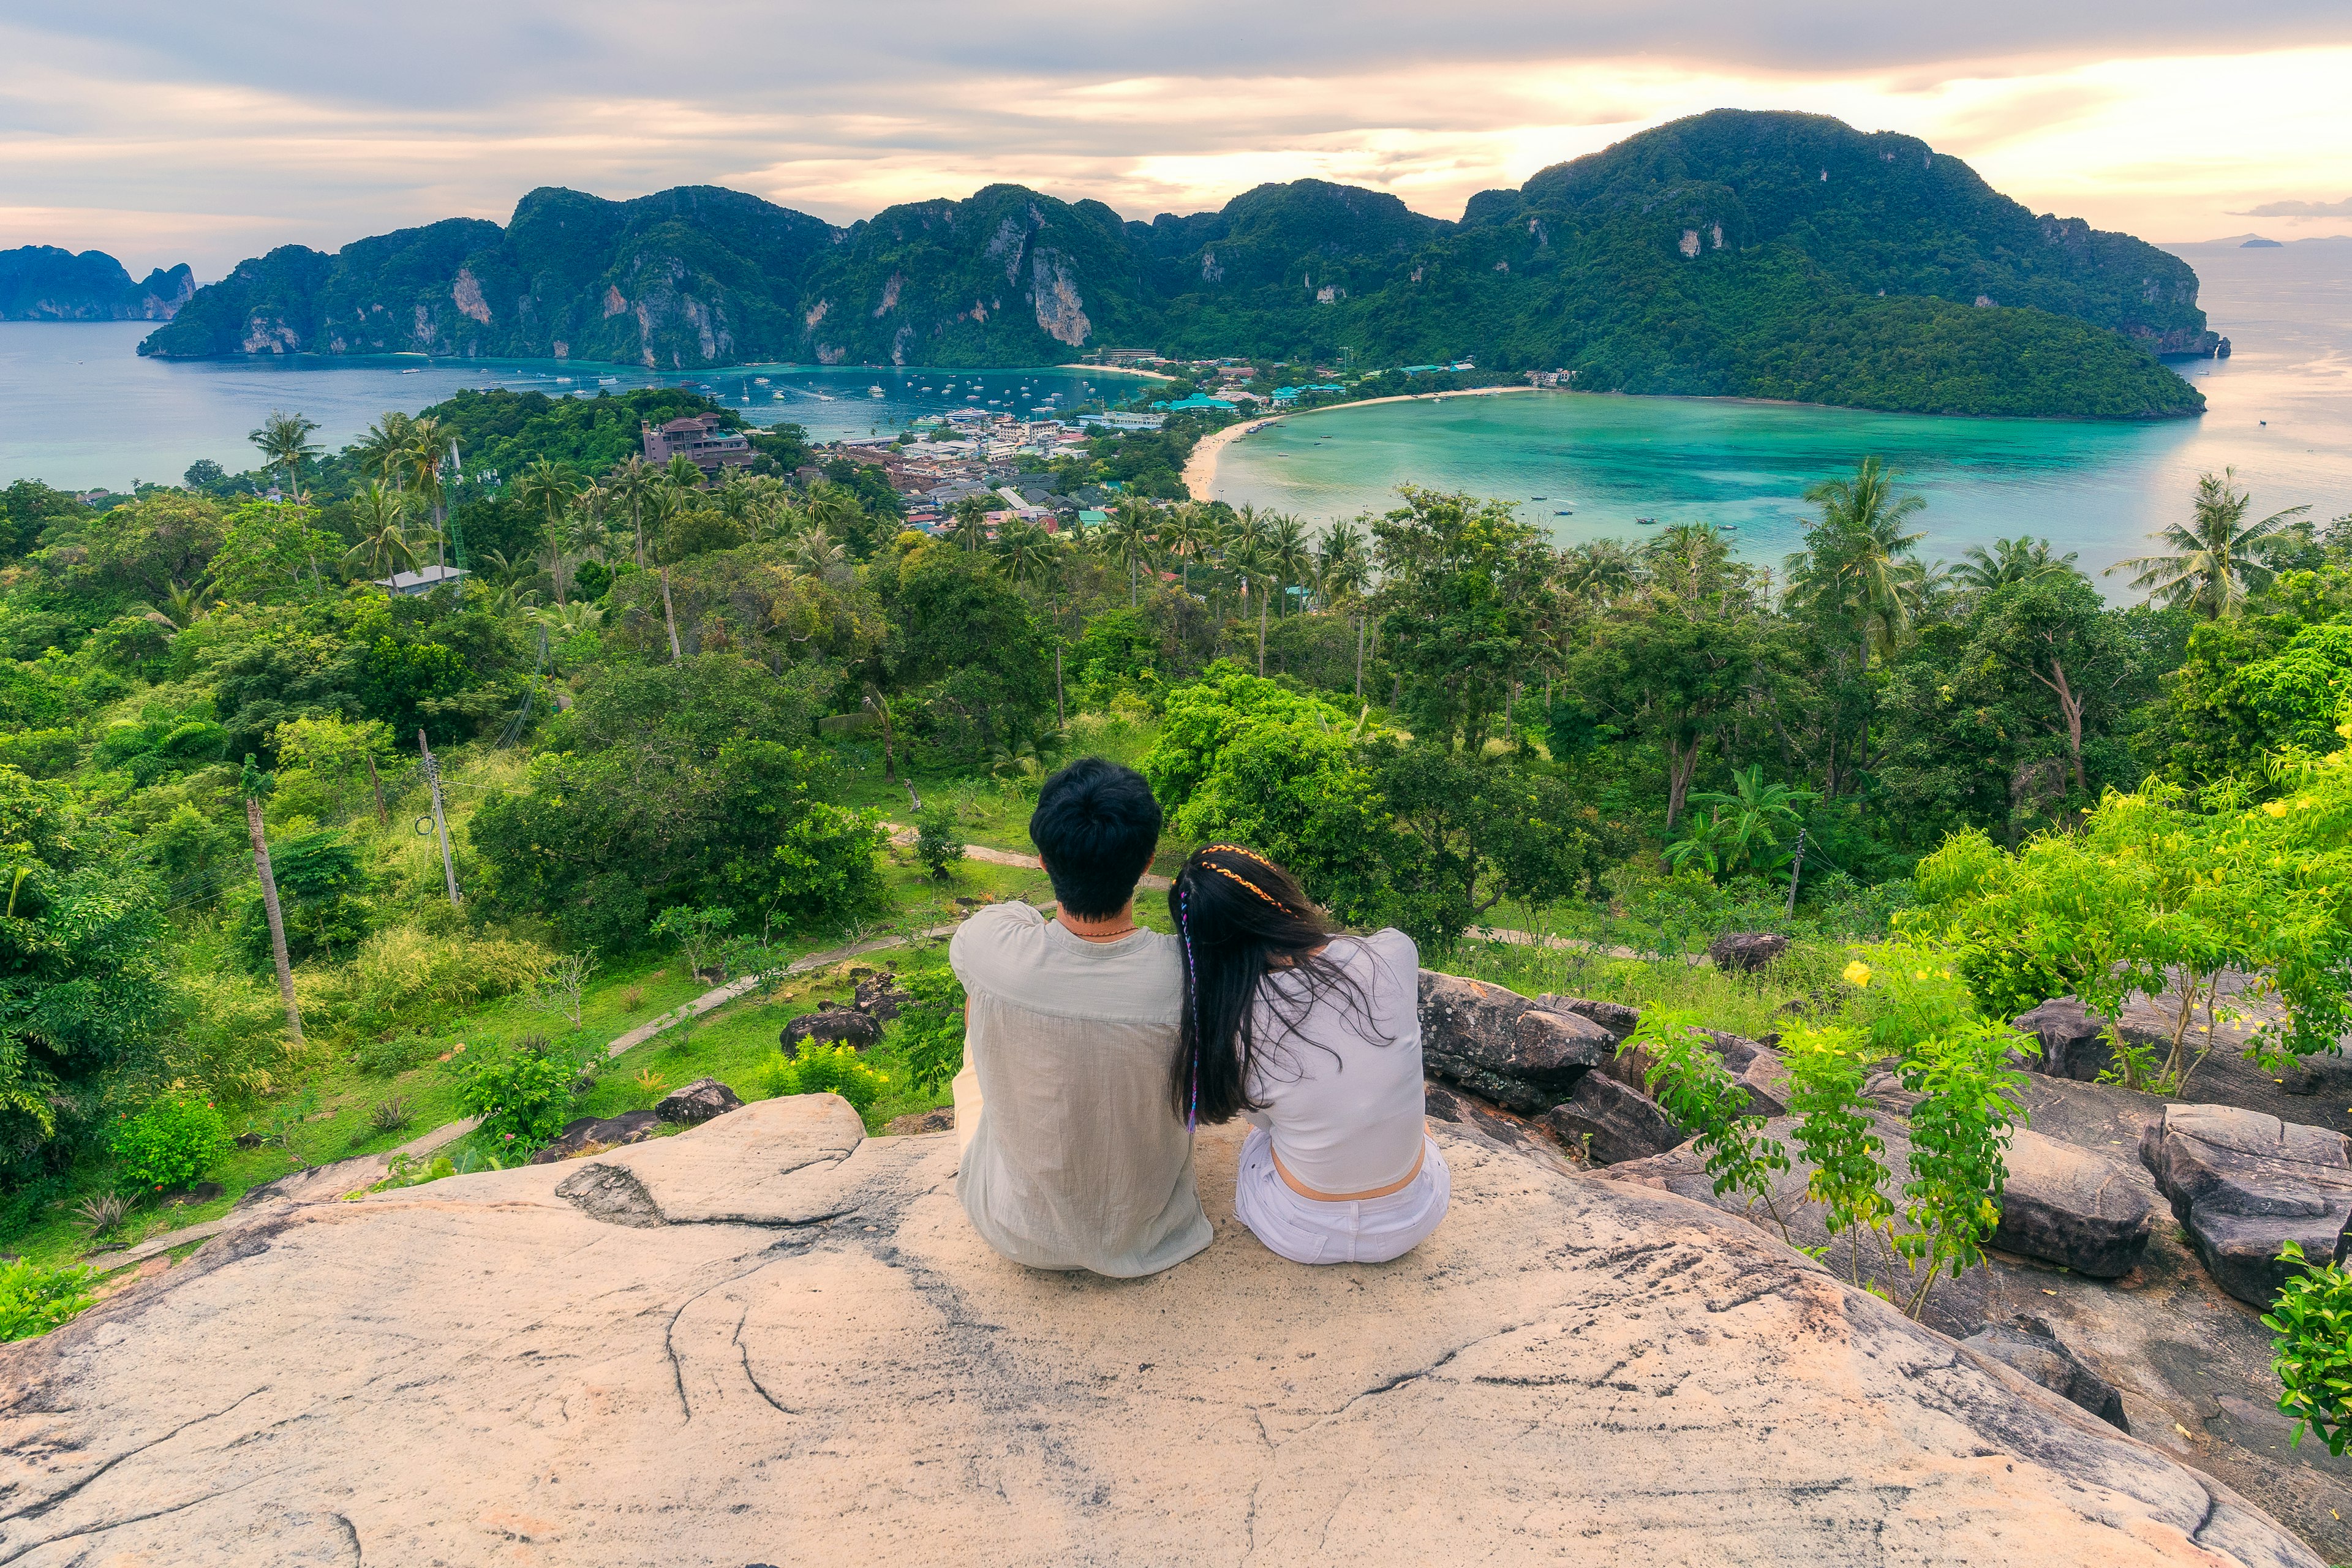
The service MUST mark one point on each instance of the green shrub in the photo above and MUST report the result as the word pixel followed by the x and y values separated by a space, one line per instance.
pixel 829 1069
pixel 520 1092
pixel 2313 1320
pixel 390 1057
pixel 929 1027
pixel 169 1144
pixel 940 844
pixel 34 1300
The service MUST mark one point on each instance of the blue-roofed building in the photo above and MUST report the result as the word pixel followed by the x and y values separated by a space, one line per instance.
pixel 1198 400
pixel 1293 394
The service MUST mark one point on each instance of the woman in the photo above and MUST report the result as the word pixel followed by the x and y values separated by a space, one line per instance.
pixel 1316 1038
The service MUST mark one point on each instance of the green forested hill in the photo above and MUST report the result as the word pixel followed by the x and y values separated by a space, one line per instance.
pixel 1766 255
pixel 43 283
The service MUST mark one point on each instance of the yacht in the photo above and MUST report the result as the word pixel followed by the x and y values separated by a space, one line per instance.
pixel 873 392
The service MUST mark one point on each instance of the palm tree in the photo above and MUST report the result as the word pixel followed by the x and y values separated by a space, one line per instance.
pixel 284 440
pixel 836 508
pixel 1130 538
pixel 427 436
pixel 383 518
pixel 1597 571
pixel 681 471
pixel 629 483
pixel 550 489
pixel 816 552
pixel 184 606
pixel 1186 535
pixel 2220 557
pixel 1741 830
pixel 383 449
pixel 971 526
pixel 1250 556
pixel 1857 552
pixel 1293 554
pixel 1022 546
pixel 2009 561
pixel 1342 573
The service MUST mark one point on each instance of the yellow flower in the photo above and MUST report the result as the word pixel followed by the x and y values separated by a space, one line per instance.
pixel 1857 972
pixel 2276 808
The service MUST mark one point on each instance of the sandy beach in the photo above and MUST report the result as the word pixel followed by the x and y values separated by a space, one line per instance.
pixel 1200 468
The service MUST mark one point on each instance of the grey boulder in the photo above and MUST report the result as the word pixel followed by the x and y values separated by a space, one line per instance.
pixel 2072 1040
pixel 696 1103
pixel 2242 1183
pixel 595 1132
pixel 1499 1044
pixel 1616 1017
pixel 1612 1122
pixel 2030 1347
pixel 1744 951
pixel 833 1025
pixel 2072 1205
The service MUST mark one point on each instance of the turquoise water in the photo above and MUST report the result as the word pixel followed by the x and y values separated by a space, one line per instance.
pixel 2279 409
pixel 79 407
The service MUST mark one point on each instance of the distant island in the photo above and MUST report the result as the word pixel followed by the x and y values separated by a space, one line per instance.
pixel 2259 243
pixel 1731 254
pixel 43 283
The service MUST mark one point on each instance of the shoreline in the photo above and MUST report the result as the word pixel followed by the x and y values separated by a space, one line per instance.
pixel 1200 475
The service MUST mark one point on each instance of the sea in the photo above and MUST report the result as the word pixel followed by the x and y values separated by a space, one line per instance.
pixel 79 410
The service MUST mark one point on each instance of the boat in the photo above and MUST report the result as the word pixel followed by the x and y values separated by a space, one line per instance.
pixel 759 381
pixel 410 372
pixel 1540 498
pixel 1646 521
pixel 780 397
pixel 873 392
pixel 1564 514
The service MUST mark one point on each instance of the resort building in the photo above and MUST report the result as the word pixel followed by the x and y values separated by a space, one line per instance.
pixel 699 440
pixel 408 584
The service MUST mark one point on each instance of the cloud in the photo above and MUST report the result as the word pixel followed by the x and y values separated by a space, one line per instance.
pixel 2299 209
pixel 163 132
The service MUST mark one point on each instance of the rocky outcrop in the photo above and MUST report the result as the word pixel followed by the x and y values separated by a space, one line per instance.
pixel 2030 1347
pixel 2074 1207
pixel 693 1104
pixel 771 1339
pixel 598 1133
pixel 1499 1046
pixel 1616 1017
pixel 2073 1041
pixel 2242 1183
pixel 1745 952
pixel 1612 1121
pixel 833 1025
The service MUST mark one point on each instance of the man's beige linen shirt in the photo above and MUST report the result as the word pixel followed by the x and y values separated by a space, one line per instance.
pixel 1077 1161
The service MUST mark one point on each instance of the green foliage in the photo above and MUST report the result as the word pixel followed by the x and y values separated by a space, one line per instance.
pixel 1742 830
pixel 1835 1134
pixel 167 1146
pixel 930 1028
pixel 1466 585
pixel 697 932
pixel 1691 1086
pixel 269 552
pixel 1959 1135
pixel 322 894
pixel 2312 1321
pixel 520 1092
pixel 823 1068
pixel 938 843
pixel 35 1299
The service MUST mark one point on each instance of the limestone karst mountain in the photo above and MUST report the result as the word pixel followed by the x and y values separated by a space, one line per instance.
pixel 44 283
pixel 1735 253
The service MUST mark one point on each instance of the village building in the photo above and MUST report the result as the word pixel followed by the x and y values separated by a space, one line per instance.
pixel 699 439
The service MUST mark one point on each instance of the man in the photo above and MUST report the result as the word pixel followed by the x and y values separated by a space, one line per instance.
pixel 1072 1158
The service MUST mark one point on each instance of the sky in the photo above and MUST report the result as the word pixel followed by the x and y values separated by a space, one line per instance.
pixel 161 131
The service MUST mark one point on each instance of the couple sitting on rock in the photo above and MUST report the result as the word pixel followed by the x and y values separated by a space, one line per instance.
pixel 1093 1048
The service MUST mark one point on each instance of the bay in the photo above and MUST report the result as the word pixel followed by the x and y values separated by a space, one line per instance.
pixel 79 408
pixel 2279 410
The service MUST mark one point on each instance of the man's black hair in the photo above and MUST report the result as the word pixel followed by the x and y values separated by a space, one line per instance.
pixel 1095 826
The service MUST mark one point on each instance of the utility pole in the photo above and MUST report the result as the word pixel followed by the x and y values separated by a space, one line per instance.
pixel 440 823
pixel 1796 869
pixel 383 818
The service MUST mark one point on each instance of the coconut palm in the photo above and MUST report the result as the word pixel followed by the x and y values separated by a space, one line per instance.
pixel 551 489
pixel 1858 551
pixel 2009 562
pixel 1021 545
pixel 1597 570
pixel 1293 554
pixel 1741 831
pixel 816 552
pixel 681 471
pixel 382 516
pixel 567 621
pixel 430 443
pixel 184 606
pixel 971 526
pixel 1251 557
pixel 284 441
pixel 629 483
pixel 381 449
pixel 2219 557
pixel 837 508
pixel 1343 571
pixel 1186 535
pixel 1130 538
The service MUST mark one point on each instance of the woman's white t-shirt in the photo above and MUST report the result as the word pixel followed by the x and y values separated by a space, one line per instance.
pixel 1342 1085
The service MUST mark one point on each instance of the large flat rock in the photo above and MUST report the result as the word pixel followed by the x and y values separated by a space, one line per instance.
pixel 771 1339
pixel 2243 1184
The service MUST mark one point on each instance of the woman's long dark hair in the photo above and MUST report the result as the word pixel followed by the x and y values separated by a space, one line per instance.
pixel 1240 918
